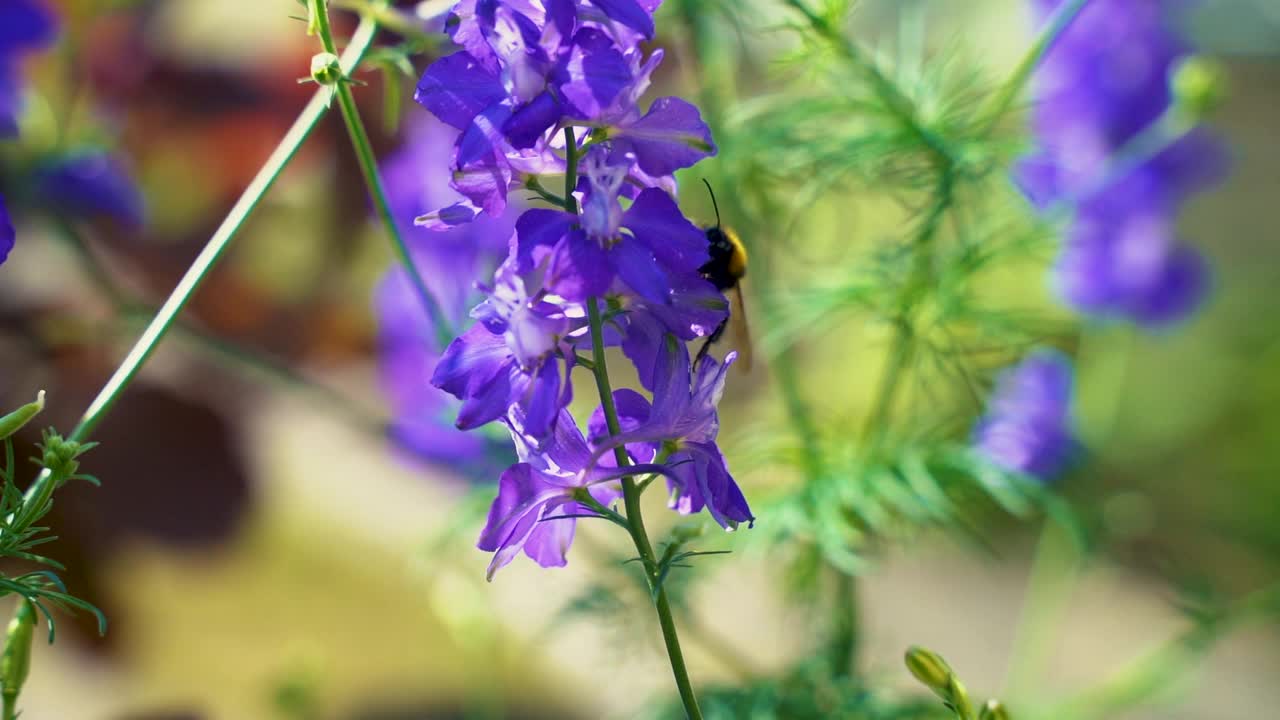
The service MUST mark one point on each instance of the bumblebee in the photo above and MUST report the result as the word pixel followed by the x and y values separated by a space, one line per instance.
pixel 725 269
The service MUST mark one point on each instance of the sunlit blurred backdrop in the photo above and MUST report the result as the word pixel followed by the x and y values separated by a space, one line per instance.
pixel 265 548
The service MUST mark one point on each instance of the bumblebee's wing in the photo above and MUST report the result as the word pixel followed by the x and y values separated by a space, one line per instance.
pixel 739 330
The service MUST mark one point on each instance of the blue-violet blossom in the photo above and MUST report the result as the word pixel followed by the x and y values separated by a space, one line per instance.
pixel 1102 84
pixel 1027 427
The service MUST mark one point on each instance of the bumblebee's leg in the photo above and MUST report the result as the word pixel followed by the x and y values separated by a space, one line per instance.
pixel 712 338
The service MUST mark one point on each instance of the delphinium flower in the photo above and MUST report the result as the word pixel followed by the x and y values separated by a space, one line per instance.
pixel 88 184
pixel 554 88
pixel 456 261
pixel 1104 82
pixel 1027 426
pixel 24 25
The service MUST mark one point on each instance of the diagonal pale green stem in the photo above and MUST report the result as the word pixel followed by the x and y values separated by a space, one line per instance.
pixel 369 169
pixel 1012 88
pixel 221 239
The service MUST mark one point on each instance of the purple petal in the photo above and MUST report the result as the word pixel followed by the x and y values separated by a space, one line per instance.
pixel 723 498
pixel 629 13
pixel 523 494
pixel 537 232
pixel 477 353
pixel 640 270
pixel 549 542
pixel 489 400
pixel 448 218
pixel 456 88
pixel 593 75
pixel 482 173
pixel 579 269
pixel 528 124
pixel 1180 290
pixel 669 137
pixel 90 184
pixel 541 400
pixel 656 221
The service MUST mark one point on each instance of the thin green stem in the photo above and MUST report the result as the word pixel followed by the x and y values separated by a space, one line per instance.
pixel 230 355
pixel 1013 87
pixel 571 170
pixel 221 239
pixel 369 169
pixel 631 501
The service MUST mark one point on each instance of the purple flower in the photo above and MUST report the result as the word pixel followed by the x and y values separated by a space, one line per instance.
pixel 584 254
pixel 1027 425
pixel 539 498
pixel 684 421
pixel 518 355
pixel 89 184
pixel 6 232
pixel 25 25
pixel 1103 83
pixel 452 263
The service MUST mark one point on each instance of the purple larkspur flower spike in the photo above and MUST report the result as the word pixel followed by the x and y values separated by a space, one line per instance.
pixel 1027 426
pixel 1102 84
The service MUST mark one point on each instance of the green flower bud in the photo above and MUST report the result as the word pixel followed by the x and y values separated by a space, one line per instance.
pixel 993 710
pixel 1199 86
pixel 326 69
pixel 13 422
pixel 15 663
pixel 931 670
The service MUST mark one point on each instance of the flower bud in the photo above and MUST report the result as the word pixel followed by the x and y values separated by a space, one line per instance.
pixel 326 69
pixel 15 663
pixel 993 710
pixel 930 669
pixel 13 422
pixel 1199 86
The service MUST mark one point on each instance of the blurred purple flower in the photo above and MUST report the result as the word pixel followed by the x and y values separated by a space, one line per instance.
pixel 1100 86
pixel 6 232
pixel 25 25
pixel 89 184
pixel 1027 427
pixel 452 263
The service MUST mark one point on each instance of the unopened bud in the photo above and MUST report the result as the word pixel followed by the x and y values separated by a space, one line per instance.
pixel 993 710
pixel 326 69
pixel 1199 86
pixel 930 669
pixel 15 663
pixel 13 422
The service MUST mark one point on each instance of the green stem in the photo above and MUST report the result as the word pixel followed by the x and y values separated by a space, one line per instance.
pixel 1013 87
pixel 228 354
pixel 631 501
pixel 218 244
pixel 369 169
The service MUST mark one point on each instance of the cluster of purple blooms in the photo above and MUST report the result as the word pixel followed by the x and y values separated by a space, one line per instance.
pixel 1104 82
pixel 553 87
pixel 81 183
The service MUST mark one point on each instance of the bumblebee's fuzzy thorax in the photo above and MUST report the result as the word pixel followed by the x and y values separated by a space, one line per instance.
pixel 728 262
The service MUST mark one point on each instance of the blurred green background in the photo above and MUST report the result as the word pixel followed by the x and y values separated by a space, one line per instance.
pixel 263 554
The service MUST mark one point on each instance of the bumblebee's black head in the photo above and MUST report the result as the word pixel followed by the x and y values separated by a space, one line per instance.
pixel 728 262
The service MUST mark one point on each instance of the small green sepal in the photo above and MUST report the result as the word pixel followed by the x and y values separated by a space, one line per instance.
pixel 1199 87
pixel 13 422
